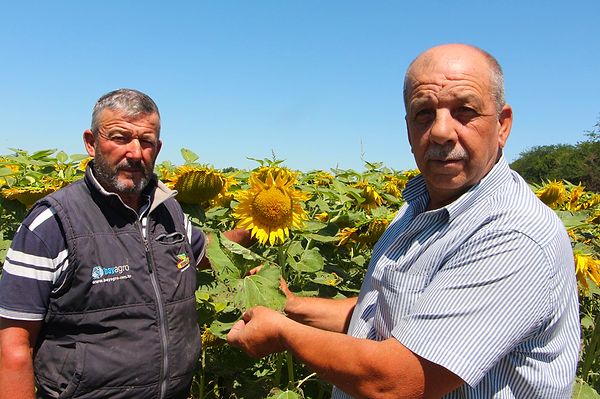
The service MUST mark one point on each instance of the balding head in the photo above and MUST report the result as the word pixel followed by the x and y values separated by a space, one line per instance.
pixel 451 53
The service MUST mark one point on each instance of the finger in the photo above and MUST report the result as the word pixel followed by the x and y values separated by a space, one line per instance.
pixel 247 316
pixel 254 270
pixel 284 287
pixel 233 334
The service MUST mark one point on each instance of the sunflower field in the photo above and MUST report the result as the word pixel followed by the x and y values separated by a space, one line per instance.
pixel 316 229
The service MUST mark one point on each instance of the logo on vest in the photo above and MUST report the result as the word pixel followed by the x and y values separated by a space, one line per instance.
pixel 184 261
pixel 102 274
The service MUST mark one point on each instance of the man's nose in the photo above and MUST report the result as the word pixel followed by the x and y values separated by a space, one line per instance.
pixel 443 128
pixel 134 149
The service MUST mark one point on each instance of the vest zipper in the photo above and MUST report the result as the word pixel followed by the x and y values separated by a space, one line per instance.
pixel 161 314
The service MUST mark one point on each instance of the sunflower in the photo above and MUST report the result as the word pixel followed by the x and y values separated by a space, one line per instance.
pixel 394 185
pixel 271 206
pixel 197 185
pixel 209 339
pixel 84 163
pixel 575 199
pixel 30 194
pixel 365 234
pixel 587 267
pixel 553 193
pixel 372 199
pixel 346 235
pixel 323 216
pixel 323 179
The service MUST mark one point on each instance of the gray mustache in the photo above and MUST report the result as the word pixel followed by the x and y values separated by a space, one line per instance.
pixel 445 153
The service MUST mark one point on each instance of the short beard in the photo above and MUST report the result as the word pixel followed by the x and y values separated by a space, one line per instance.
pixel 107 175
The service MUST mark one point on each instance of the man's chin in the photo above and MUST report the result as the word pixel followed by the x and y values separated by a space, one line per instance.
pixel 129 186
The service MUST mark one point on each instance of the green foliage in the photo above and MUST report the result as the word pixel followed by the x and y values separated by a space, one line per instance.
pixel 579 163
pixel 327 257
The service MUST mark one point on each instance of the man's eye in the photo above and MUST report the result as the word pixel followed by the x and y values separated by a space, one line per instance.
pixel 465 113
pixel 147 142
pixel 424 115
pixel 119 139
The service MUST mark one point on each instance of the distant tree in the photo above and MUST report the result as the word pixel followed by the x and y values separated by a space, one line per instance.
pixel 579 163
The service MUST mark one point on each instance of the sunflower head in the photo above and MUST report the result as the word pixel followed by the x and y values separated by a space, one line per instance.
pixel 372 199
pixel 84 163
pixel 553 193
pixel 323 179
pixel 366 234
pixel 587 267
pixel 263 173
pixel 28 195
pixel 209 339
pixel 347 235
pixel 574 203
pixel 394 185
pixel 271 206
pixel 323 216
pixel 197 185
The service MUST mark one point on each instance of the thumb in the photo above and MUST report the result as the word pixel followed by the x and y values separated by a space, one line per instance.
pixel 235 331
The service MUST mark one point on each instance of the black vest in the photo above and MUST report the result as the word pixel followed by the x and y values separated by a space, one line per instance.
pixel 124 324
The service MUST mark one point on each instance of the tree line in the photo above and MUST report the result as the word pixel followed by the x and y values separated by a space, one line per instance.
pixel 576 163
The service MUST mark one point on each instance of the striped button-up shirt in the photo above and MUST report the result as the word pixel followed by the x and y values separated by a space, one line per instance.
pixel 484 287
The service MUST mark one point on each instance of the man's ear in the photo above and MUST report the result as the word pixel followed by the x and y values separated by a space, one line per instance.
pixel 90 142
pixel 408 133
pixel 505 120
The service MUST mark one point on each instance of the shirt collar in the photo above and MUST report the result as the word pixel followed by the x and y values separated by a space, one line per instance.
pixel 417 196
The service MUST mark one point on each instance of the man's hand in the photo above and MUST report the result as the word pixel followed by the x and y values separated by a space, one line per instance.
pixel 259 332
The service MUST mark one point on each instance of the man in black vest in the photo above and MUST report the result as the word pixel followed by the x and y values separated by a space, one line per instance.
pixel 97 291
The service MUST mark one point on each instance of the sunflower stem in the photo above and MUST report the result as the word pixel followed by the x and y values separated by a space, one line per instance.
pixel 592 349
pixel 308 242
pixel 281 256
pixel 203 365
pixel 290 368
pixel 278 367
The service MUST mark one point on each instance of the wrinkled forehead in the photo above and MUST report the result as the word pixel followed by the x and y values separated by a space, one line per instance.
pixel 114 118
pixel 434 73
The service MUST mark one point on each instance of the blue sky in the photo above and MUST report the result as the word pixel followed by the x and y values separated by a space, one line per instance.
pixel 317 83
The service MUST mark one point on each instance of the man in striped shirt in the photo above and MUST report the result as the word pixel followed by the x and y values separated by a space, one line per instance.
pixel 471 291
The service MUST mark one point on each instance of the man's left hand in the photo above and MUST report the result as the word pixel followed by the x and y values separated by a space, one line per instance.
pixel 258 333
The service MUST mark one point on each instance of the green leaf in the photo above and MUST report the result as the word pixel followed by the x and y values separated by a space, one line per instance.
pixel 572 219
pixel 320 238
pixel 260 289
pixel 584 391
pixel 223 266
pixel 285 395
pixel 313 226
pixel 42 154
pixel 330 279
pixel 62 157
pixel 188 156
pixel 78 157
pixel 4 171
pixel 310 261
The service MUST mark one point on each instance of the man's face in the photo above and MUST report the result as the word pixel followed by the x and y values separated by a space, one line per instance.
pixel 453 126
pixel 124 151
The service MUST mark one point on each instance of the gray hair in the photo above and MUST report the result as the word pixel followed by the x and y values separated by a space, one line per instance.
pixel 496 77
pixel 130 102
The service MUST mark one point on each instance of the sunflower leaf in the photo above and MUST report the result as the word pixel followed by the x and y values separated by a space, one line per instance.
pixel 310 261
pixel 284 395
pixel 223 266
pixel 260 289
